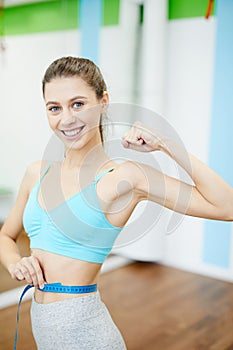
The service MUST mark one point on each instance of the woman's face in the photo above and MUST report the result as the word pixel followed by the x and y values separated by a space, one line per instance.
pixel 73 110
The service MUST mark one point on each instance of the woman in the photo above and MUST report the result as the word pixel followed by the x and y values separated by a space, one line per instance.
pixel 70 237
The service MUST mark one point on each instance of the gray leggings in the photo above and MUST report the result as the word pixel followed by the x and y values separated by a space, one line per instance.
pixel 82 323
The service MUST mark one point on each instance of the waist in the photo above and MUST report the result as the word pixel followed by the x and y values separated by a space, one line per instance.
pixel 60 288
pixel 57 291
pixel 68 271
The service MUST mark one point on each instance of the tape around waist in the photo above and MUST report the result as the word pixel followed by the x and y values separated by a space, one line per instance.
pixel 53 288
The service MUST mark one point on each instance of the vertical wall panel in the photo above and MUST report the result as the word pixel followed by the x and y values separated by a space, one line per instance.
pixel 217 236
pixel 153 55
pixel 90 19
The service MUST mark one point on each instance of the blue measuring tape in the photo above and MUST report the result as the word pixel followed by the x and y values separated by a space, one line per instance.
pixel 53 288
pixel 59 288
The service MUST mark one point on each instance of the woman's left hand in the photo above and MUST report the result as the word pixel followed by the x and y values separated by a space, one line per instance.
pixel 142 139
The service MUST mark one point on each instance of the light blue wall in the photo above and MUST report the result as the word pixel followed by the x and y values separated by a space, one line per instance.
pixel 217 236
pixel 90 19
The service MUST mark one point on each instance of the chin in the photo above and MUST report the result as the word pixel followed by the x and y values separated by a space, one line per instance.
pixel 78 144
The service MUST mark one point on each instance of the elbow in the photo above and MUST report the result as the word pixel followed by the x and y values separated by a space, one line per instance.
pixel 227 214
pixel 229 217
pixel 220 213
pixel 229 207
pixel 229 211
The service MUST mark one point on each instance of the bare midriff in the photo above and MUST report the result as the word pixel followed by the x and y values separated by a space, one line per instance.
pixel 68 271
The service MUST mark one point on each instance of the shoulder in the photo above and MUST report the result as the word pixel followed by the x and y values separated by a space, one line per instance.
pixel 36 167
pixel 134 173
pixel 34 171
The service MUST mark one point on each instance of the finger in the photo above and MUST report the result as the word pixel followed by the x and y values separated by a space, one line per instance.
pixel 32 274
pixel 39 272
pixel 132 143
pixel 125 143
pixel 131 138
pixel 141 141
pixel 135 147
pixel 18 275
pixel 137 133
pixel 25 272
pixel 126 136
pixel 134 136
pixel 29 265
pixel 144 133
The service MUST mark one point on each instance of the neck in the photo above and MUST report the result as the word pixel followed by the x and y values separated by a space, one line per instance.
pixel 90 155
pixel 74 159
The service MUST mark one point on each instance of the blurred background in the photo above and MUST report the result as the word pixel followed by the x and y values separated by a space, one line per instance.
pixel 172 57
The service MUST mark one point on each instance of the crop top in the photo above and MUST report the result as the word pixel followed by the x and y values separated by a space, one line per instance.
pixel 77 228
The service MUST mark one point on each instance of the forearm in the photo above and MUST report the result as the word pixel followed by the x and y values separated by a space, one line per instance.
pixel 209 184
pixel 9 252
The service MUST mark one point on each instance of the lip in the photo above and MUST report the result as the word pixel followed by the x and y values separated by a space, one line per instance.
pixel 74 136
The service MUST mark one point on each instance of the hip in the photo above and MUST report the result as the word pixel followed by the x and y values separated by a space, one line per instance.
pixel 82 323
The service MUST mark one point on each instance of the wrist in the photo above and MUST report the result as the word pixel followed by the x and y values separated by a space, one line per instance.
pixel 164 145
pixel 11 265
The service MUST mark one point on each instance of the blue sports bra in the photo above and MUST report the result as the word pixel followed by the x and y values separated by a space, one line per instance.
pixel 77 228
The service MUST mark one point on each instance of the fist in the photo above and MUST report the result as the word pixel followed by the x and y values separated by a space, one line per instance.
pixel 141 139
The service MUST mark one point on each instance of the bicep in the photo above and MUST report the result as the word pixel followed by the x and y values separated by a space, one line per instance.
pixel 172 193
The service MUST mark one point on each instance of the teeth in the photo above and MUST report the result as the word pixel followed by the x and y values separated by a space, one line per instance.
pixel 72 133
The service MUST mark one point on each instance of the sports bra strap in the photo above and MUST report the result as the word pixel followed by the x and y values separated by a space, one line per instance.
pixel 98 177
pixel 46 169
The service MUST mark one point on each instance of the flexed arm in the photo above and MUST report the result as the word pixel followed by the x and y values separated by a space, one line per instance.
pixel 210 196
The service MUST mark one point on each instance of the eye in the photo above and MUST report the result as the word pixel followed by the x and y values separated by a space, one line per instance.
pixel 54 109
pixel 78 104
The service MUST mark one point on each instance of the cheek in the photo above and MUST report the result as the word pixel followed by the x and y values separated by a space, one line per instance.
pixel 91 119
pixel 52 122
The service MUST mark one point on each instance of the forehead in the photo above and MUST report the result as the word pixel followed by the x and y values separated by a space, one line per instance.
pixel 66 88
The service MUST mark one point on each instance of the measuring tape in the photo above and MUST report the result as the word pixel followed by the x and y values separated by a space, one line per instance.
pixel 53 288
pixel 59 288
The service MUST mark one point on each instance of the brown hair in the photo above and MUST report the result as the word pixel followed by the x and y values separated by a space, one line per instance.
pixel 81 67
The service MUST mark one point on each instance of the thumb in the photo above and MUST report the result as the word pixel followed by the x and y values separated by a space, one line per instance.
pixel 125 143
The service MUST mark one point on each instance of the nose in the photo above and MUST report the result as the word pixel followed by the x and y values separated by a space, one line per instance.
pixel 68 117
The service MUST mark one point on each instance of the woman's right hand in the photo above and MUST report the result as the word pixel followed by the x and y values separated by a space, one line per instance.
pixel 28 269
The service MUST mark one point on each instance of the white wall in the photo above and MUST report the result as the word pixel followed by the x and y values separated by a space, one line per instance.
pixel 24 129
pixel 191 45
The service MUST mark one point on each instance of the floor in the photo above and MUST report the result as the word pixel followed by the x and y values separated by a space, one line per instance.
pixel 155 307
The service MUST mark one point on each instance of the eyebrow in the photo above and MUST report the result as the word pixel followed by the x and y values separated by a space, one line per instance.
pixel 71 100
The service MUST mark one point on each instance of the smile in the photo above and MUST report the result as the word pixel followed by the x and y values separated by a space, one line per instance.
pixel 72 133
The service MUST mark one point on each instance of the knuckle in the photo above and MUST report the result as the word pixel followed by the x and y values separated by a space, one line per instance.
pixel 33 273
pixel 18 266
pixel 32 258
pixel 38 271
pixel 14 275
pixel 23 270
pixel 16 270
pixel 18 276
